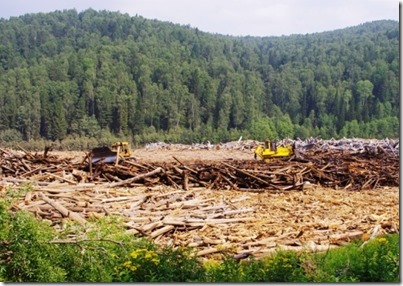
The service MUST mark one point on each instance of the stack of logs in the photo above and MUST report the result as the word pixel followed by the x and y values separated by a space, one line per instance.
pixel 332 168
pixel 211 222
pixel 178 203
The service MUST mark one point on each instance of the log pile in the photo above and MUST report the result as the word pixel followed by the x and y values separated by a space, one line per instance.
pixel 247 206
pixel 317 164
pixel 235 145
pixel 344 144
pixel 211 222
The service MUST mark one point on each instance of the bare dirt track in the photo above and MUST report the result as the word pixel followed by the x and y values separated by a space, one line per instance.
pixel 211 221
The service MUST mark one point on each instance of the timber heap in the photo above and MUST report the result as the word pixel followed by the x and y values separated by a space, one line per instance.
pixel 332 164
pixel 204 204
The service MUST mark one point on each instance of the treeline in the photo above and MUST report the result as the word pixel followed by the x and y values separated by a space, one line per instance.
pixel 105 74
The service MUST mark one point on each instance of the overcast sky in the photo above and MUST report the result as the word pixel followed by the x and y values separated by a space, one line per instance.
pixel 231 17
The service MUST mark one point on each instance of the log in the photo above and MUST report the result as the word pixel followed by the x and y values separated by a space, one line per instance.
pixel 136 178
pixel 184 166
pixel 185 181
pixel 347 236
pixel 66 189
pixel 250 175
pixel 32 172
pixel 151 226
pixel 186 225
pixel 62 179
pixel 224 220
pixel 207 240
pixel 230 212
pixel 135 164
pixel 64 211
pixel 14 180
pixel 140 198
pixel 207 251
pixel 161 231
pixel 28 197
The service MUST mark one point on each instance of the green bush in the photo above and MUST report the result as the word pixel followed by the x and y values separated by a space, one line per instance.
pixel 10 136
pixel 285 266
pixel 228 270
pixel 27 254
pixel 165 265
pixel 376 261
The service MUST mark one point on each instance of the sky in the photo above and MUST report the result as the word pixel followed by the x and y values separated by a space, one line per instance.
pixel 231 17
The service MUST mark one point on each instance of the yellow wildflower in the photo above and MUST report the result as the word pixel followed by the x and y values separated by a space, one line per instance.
pixel 382 240
pixel 148 255
pixel 133 268
pixel 211 264
pixel 134 254
pixel 127 264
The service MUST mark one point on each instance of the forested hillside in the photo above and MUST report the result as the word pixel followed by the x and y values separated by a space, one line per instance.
pixel 102 74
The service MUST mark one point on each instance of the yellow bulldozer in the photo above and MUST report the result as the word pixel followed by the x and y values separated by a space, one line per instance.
pixel 271 150
pixel 110 154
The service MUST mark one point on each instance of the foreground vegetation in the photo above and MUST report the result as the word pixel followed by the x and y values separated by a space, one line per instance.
pixel 32 251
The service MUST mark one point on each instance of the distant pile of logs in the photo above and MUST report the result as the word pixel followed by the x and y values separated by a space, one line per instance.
pixel 235 145
pixel 345 144
pixel 349 164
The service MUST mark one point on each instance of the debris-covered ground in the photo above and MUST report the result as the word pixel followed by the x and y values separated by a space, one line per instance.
pixel 216 197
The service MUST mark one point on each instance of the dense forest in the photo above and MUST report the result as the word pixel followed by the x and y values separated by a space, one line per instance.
pixel 101 74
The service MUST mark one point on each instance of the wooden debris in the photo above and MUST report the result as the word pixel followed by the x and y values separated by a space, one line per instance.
pixel 349 165
pixel 295 204
pixel 64 211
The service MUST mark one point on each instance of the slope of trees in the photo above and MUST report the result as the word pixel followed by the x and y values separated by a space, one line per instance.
pixel 96 74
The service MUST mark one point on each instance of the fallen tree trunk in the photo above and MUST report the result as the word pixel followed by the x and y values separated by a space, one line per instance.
pixel 64 211
pixel 136 178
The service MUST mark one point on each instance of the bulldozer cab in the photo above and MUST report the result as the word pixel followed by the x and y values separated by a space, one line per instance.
pixel 122 148
pixel 270 145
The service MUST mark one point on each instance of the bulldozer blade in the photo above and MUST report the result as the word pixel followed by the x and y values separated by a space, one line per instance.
pixel 103 155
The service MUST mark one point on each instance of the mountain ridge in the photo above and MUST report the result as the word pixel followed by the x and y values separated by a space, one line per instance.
pixel 93 72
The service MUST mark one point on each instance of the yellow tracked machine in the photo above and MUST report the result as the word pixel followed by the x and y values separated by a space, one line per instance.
pixel 271 150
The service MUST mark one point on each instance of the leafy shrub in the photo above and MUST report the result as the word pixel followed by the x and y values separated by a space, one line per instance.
pixel 28 256
pixel 228 270
pixel 377 261
pixel 165 265
pixel 10 136
pixel 284 266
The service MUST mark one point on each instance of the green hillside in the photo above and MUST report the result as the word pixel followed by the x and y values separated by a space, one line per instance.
pixel 97 74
